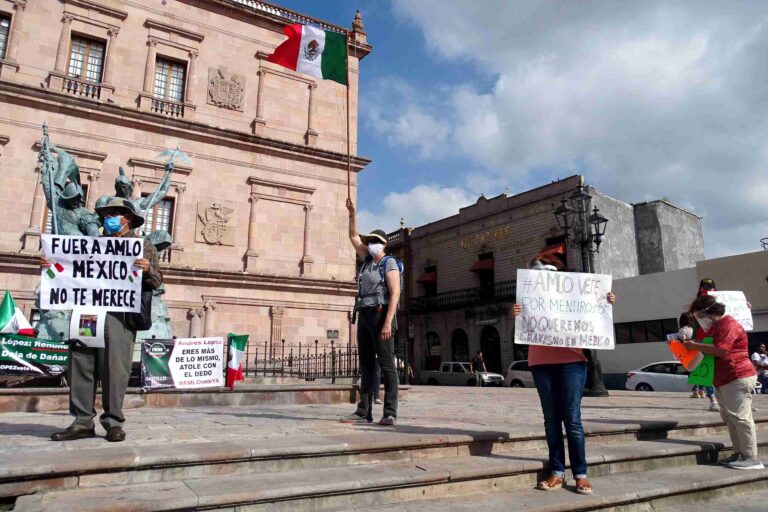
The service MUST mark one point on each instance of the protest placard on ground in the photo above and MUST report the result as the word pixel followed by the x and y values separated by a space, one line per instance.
pixel 183 363
pixel 564 309
pixel 91 273
pixel 21 355
pixel 736 306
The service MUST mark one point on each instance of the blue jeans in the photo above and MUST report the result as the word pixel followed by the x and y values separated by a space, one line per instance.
pixel 560 388
pixel 709 390
pixel 763 380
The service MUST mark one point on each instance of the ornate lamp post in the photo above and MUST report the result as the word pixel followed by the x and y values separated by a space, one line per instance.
pixel 584 231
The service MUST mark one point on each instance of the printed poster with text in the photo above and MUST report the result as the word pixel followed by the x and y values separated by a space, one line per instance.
pixel 564 309
pixel 182 363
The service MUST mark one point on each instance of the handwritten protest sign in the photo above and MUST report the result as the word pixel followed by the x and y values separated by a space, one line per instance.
pixel 183 363
pixel 704 374
pixel 564 309
pixel 21 355
pixel 736 306
pixel 91 273
pixel 690 359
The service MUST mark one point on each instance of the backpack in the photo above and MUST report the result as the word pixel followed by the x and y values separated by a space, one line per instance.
pixel 382 266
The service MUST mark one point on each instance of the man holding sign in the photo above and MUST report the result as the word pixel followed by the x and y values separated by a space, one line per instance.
pixel 125 259
pixel 559 315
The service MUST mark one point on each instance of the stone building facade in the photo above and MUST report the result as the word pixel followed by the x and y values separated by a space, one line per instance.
pixel 461 270
pixel 257 219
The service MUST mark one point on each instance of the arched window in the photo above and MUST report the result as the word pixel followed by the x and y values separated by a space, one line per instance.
pixel 459 345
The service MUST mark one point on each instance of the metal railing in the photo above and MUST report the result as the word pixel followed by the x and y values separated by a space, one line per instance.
pixel 287 14
pixel 165 255
pixel 80 87
pixel 167 107
pixel 307 361
pixel 501 291
pixel 764 243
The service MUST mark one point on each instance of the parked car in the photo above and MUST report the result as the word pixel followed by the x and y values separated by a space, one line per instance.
pixel 459 374
pixel 519 375
pixel 662 376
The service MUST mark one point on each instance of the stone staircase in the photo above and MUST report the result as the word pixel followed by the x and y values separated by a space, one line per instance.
pixel 650 465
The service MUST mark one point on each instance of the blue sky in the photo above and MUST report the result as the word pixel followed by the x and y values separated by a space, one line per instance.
pixel 648 100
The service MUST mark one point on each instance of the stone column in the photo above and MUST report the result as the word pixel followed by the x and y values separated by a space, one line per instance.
pixel 252 253
pixel 9 66
pixel 93 193
pixel 276 314
pixel 260 123
pixel 210 319
pixel 195 322
pixel 107 87
pixel 145 98
pixel 311 136
pixel 32 234
pixel 307 259
pixel 191 69
pixel 56 78
pixel 177 248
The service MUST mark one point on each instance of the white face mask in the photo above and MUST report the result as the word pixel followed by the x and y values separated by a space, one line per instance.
pixel 376 249
pixel 704 321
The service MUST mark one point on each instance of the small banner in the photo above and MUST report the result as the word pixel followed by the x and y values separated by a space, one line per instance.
pixel 183 363
pixel 704 374
pixel 21 355
pixel 91 274
pixel 564 309
pixel 736 306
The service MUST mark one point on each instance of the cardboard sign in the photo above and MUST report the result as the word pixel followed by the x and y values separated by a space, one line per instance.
pixel 91 273
pixel 736 306
pixel 564 309
pixel 20 355
pixel 704 373
pixel 183 363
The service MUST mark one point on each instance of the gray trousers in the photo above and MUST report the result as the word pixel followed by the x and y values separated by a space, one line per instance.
pixel 112 365
pixel 370 347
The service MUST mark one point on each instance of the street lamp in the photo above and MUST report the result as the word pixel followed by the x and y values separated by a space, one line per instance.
pixel 585 232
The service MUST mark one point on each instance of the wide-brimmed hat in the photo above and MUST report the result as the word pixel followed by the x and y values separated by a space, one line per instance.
pixel 124 205
pixel 375 236
pixel 71 191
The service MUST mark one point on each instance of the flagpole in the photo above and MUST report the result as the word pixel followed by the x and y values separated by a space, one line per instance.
pixel 349 117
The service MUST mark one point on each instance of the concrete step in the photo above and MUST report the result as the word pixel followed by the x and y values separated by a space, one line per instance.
pixel 366 485
pixel 121 465
pixel 666 489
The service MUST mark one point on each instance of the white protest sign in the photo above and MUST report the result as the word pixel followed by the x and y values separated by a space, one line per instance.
pixel 564 309
pixel 91 273
pixel 735 306
pixel 197 363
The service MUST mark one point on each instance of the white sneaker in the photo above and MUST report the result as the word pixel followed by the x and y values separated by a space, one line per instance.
pixel 714 406
pixel 744 463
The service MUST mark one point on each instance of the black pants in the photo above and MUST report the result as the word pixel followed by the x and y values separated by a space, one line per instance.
pixel 369 347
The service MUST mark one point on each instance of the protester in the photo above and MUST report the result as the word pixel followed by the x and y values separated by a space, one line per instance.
pixel 111 364
pixel 760 362
pixel 706 285
pixel 560 375
pixel 735 378
pixel 686 324
pixel 478 366
pixel 376 307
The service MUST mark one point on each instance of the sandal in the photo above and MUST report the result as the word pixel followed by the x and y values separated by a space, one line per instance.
pixel 583 486
pixel 550 484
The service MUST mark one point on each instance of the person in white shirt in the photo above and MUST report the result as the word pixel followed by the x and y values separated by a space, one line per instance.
pixel 760 360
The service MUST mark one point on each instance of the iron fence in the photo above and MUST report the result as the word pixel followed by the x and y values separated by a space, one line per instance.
pixel 308 361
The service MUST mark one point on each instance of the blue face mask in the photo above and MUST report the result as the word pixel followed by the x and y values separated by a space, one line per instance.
pixel 112 225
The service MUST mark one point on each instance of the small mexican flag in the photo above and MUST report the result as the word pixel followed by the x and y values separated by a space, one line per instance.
pixel 12 320
pixel 237 345
pixel 314 51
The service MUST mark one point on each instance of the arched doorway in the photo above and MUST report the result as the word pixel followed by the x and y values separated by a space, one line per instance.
pixel 459 346
pixel 433 352
pixel 490 344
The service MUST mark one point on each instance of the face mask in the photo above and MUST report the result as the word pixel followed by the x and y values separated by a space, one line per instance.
pixel 376 249
pixel 112 225
pixel 704 321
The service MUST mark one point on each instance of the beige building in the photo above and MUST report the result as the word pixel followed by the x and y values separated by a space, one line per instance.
pixel 258 218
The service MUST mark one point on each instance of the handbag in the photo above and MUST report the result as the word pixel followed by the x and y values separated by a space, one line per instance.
pixel 142 321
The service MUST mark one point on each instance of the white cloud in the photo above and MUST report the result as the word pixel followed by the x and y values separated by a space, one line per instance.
pixel 650 99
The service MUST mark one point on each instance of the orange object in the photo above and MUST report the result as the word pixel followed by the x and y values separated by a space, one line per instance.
pixel 690 359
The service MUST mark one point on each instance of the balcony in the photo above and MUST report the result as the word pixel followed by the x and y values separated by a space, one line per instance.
pixel 80 87
pixel 500 292
pixel 167 107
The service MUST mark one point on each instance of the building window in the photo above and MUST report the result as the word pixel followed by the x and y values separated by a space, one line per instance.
pixel 5 25
pixel 48 222
pixel 647 331
pixel 86 59
pixel 160 217
pixel 430 284
pixel 169 80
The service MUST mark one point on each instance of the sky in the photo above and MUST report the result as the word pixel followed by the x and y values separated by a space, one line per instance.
pixel 648 100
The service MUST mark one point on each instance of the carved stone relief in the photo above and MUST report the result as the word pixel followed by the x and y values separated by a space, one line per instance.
pixel 216 223
pixel 225 90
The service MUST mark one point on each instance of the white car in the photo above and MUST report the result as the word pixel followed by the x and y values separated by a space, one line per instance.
pixel 519 375
pixel 663 376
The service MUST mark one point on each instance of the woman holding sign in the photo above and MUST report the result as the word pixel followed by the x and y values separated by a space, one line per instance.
pixel 735 378
pixel 560 375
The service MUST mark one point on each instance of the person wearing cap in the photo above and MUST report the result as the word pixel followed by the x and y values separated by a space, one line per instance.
pixel 112 364
pixel 377 305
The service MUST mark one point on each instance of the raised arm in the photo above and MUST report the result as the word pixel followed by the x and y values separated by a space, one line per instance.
pixel 354 235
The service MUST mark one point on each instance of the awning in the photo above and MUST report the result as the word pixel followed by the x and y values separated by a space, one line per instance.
pixel 482 265
pixel 553 249
pixel 427 277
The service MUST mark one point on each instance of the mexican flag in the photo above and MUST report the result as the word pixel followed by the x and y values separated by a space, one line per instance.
pixel 237 345
pixel 313 51
pixel 12 320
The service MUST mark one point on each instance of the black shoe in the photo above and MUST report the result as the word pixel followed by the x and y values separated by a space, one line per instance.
pixel 73 433
pixel 115 435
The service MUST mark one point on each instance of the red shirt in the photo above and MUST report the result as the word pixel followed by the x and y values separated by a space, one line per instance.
pixel 730 336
